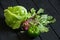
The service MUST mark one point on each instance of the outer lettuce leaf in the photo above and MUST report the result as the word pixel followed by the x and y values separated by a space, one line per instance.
pixel 15 15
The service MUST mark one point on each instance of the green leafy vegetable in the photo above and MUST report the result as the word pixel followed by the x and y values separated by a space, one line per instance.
pixel 39 23
pixel 33 21
pixel 15 15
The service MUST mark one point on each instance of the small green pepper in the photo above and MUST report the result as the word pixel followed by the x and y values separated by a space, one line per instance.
pixel 33 31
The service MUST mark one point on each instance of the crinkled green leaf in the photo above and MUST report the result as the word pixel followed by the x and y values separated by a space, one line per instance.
pixel 41 10
pixel 43 28
pixel 15 15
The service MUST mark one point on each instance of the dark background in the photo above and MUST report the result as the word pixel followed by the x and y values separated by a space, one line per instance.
pixel 52 7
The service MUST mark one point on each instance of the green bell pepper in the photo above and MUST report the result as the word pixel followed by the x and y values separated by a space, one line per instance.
pixel 33 31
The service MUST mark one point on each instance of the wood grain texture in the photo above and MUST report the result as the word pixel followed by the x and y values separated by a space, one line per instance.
pixel 28 4
pixel 53 34
pixel 55 4
pixel 6 3
pixel 7 35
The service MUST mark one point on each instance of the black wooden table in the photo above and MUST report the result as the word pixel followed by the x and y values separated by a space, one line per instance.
pixel 52 7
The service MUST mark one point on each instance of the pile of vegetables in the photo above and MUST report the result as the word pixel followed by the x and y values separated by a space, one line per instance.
pixel 34 22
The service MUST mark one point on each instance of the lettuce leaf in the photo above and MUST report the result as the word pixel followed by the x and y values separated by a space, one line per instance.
pixel 15 15
pixel 41 20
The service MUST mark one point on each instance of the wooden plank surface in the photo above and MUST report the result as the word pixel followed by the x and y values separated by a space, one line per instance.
pixel 6 3
pixel 7 35
pixel 55 4
pixel 27 4
pixel 54 33
pixel 1 17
